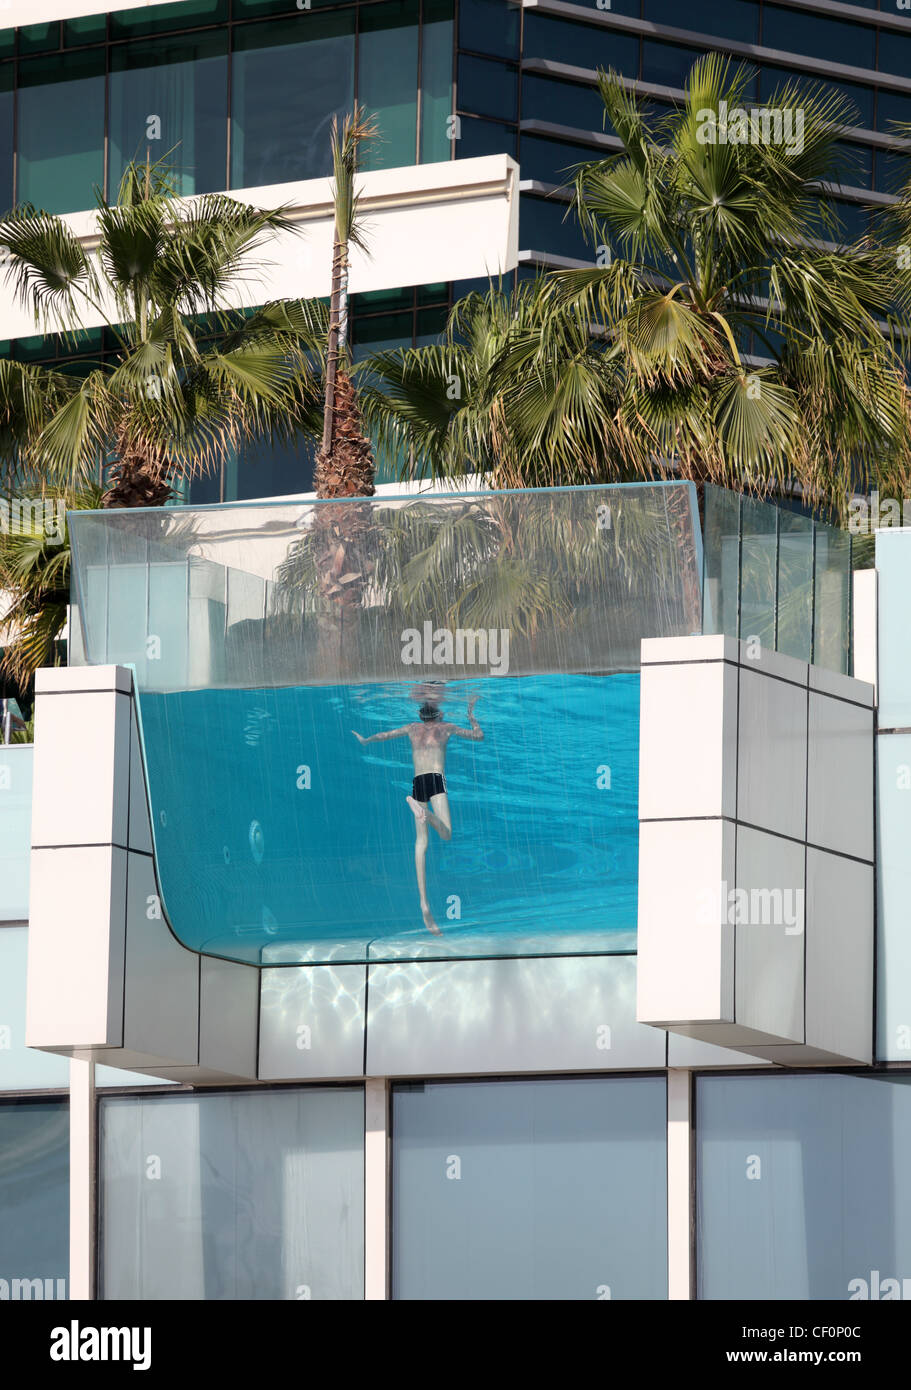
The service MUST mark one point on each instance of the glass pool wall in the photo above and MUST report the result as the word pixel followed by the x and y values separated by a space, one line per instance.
pixel 266 638
pixel 778 576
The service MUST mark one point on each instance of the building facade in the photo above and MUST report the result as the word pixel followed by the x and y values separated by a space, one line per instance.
pixel 661 1049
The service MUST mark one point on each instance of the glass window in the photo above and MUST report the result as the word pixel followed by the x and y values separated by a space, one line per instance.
pixel 487 89
pixel 892 108
pixel 34 1199
pixel 861 98
pixel 854 167
pixel 490 26
pixel 436 80
pixel 801 1188
pixel 258 9
pixel 546 224
pixel 892 171
pixel 248 1195
pixel 39 38
pixel 667 63
pixel 264 469
pixel 894 53
pixel 581 45
pixel 796 31
pixel 6 137
pixel 736 19
pixel 552 161
pixel 478 137
pixel 566 103
pixel 288 81
pixel 90 29
pixel 61 131
pixel 162 19
pixel 530 1190
pixel 388 80
pixel 170 97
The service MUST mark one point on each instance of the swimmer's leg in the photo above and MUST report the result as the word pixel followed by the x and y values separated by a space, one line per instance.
pixel 420 862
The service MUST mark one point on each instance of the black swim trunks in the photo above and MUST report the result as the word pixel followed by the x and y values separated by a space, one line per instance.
pixel 428 784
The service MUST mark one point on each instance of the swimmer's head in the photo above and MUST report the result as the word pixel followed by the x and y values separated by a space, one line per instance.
pixel 429 712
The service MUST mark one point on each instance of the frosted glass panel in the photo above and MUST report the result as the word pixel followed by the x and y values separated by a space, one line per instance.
pixel 244 1196
pixel 802 1186
pixel 15 830
pixel 390 728
pixel 893 566
pixel 34 1200
pixel 530 1190
pixel 22 1068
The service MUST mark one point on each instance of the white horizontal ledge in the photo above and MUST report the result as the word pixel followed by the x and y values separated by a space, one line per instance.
pixel 423 223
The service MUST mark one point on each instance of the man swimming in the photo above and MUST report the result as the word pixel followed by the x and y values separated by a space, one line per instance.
pixel 429 738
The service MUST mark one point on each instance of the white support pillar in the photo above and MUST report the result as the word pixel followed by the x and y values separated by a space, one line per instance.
pixel 680 1282
pixel 82 1179
pixel 376 1189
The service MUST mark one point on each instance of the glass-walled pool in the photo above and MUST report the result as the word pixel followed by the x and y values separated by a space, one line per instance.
pixel 393 729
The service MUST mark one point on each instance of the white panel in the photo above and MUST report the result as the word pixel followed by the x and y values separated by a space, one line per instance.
pixel 161 998
pixel 679 1183
pixel 840 777
pixel 425 223
pixel 864 621
pixel 711 647
pixel 772 754
pixel 376 1189
pixel 76 947
pixel 474 1017
pixel 56 680
pixel 228 1016
pixel 16 12
pixel 858 691
pixel 312 1022
pixel 693 1052
pixel 82 746
pixel 839 955
pixel 685 950
pixel 688 740
pixel 769 947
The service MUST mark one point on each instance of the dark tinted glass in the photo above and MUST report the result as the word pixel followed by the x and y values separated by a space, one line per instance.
pixel 490 26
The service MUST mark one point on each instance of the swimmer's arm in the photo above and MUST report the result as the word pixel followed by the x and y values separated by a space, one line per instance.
pixel 381 738
pixel 476 733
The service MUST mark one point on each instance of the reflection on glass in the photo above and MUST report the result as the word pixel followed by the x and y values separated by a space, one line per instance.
pixel 288 80
pixel 61 131
pixel 530 1190
pixel 436 80
pixel 388 80
pixel 759 564
pixel 255 1196
pixel 832 614
pixel 169 97
pixel 287 630
pixel 34 1199
pixel 795 588
pixel 802 1188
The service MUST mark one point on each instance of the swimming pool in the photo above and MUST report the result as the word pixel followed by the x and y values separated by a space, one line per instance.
pixel 280 838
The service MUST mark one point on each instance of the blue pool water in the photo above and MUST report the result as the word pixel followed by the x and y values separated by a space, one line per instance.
pixel 281 839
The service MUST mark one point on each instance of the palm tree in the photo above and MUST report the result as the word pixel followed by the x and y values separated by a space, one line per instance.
pixel 188 381
pixel 35 577
pixel 727 333
pixel 344 466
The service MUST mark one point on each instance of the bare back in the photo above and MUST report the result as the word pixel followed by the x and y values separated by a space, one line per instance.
pixel 428 746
